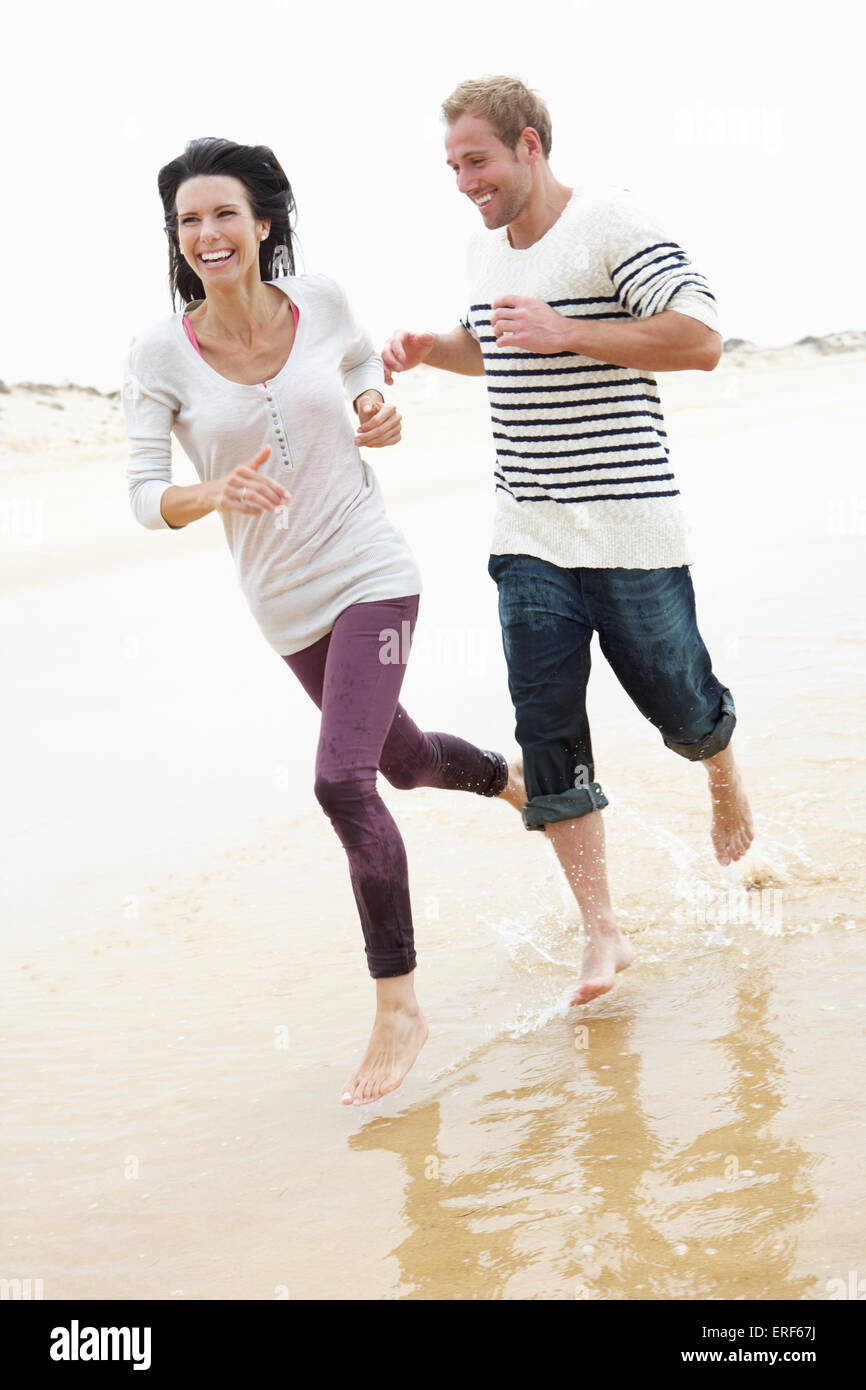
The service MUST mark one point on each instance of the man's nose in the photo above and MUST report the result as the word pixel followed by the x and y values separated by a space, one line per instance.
pixel 467 179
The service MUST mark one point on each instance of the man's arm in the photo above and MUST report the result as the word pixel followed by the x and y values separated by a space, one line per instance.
pixel 665 342
pixel 456 351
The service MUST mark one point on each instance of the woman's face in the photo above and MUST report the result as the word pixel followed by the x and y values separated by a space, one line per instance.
pixel 218 235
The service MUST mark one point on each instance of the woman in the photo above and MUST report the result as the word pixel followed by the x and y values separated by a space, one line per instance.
pixel 252 380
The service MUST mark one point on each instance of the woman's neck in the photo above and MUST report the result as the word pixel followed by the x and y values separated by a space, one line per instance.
pixel 242 313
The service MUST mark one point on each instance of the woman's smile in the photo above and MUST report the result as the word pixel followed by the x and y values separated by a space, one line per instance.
pixel 214 258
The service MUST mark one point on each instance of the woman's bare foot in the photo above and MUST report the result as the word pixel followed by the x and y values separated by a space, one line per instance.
pixel 399 1033
pixel 732 829
pixel 515 792
pixel 606 952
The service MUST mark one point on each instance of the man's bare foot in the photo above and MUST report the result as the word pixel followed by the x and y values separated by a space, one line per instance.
pixel 398 1035
pixel 732 829
pixel 606 952
pixel 515 792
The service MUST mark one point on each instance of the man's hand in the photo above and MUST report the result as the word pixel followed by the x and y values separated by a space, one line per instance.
pixel 405 350
pixel 378 424
pixel 530 324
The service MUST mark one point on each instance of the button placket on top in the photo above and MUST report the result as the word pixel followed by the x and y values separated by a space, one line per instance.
pixel 278 428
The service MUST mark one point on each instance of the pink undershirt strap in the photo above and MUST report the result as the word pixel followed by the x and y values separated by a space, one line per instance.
pixel 189 333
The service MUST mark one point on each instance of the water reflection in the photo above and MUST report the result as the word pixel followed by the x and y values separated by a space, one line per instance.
pixel 641 1162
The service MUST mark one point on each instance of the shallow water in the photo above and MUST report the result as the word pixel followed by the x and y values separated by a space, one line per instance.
pixel 185 984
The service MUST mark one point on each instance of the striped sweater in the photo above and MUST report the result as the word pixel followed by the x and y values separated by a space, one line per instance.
pixel 583 473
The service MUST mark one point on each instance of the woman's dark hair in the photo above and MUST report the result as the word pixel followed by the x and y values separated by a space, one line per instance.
pixel 270 198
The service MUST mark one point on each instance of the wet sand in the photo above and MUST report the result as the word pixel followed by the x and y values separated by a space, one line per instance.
pixel 185 990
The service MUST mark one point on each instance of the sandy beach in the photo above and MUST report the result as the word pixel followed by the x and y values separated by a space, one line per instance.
pixel 184 983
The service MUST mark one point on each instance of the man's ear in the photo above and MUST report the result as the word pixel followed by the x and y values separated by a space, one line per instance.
pixel 532 140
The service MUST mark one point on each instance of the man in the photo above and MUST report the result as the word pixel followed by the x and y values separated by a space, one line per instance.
pixel 578 297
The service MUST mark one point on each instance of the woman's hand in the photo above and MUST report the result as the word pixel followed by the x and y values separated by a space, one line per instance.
pixel 245 490
pixel 378 424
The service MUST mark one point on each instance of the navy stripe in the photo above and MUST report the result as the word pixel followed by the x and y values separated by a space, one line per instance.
pixel 658 246
pixel 571 419
pixel 558 405
pixel 600 497
pixel 597 367
pixel 657 260
pixel 554 303
pixel 583 467
pixel 578 318
pixel 579 453
pixel 636 298
pixel 586 434
pixel 588 386
pixel 595 482
pixel 681 284
pixel 599 299
pixel 521 355
pixel 542 371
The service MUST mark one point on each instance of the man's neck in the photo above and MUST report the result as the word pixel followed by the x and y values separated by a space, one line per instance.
pixel 543 207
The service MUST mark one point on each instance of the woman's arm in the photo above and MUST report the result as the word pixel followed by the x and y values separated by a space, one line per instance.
pixel 181 505
pixel 148 414
pixel 363 378
pixel 159 504
pixel 242 490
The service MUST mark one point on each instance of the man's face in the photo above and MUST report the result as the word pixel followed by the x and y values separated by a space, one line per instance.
pixel 498 180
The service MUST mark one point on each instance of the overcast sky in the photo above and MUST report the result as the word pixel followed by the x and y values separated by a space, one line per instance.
pixel 740 125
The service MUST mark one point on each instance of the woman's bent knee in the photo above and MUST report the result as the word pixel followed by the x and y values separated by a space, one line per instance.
pixel 336 794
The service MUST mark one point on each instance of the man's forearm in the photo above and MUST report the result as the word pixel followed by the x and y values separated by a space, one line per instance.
pixel 456 351
pixel 666 342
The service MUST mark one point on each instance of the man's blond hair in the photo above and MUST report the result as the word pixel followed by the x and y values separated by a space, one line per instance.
pixel 506 103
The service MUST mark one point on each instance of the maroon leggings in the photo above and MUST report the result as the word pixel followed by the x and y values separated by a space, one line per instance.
pixel 352 676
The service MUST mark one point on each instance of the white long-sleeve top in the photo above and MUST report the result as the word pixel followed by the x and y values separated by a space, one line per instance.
pixel 332 544
pixel 583 473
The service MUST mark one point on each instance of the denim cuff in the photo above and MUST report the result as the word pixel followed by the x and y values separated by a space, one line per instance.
pixel 714 742
pixel 577 801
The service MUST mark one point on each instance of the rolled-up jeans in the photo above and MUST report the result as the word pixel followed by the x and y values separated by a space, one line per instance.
pixel 647 630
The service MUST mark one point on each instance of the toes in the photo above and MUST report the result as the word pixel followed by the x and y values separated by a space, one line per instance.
pixel 591 989
pixel 348 1093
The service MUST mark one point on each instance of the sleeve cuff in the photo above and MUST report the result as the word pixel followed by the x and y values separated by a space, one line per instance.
pixel 145 502
pixel 696 308
pixel 369 376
